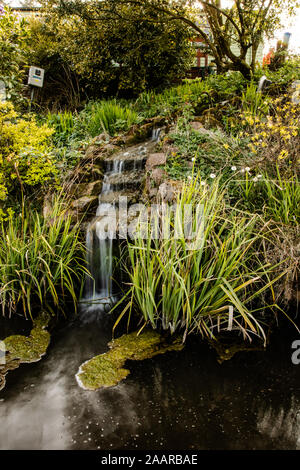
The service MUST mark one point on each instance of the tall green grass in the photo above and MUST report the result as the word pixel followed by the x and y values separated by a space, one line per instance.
pixel 205 287
pixel 42 263
pixel 253 102
pixel 277 199
pixel 110 117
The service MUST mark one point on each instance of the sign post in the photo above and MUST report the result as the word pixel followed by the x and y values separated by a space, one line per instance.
pixel 35 79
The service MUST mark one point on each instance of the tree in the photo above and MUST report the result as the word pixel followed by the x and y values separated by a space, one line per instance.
pixel 116 57
pixel 245 22
pixel 13 37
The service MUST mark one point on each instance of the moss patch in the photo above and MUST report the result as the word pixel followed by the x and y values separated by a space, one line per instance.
pixel 21 349
pixel 106 370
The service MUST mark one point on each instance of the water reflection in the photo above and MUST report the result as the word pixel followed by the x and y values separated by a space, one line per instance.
pixel 181 400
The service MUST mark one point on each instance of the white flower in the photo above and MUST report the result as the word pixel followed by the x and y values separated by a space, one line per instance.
pixel 243 170
pixel 247 168
pixel 193 159
pixel 212 175
pixel 255 179
pixel 233 168
pixel 259 176
pixel 189 177
pixel 203 183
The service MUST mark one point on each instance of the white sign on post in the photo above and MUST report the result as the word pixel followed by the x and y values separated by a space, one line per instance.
pixel 36 76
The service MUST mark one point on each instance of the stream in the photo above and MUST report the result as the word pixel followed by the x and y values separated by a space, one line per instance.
pixel 180 400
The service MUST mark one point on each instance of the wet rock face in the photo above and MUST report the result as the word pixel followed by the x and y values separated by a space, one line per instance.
pixel 85 203
pixel 106 370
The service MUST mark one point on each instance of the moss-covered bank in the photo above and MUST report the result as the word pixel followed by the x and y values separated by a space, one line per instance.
pixel 24 349
pixel 106 370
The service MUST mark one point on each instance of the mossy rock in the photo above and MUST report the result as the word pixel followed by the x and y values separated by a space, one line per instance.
pixel 28 349
pixel 106 370
pixel 23 349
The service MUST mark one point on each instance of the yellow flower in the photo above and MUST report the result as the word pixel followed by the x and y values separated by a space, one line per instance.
pixel 283 154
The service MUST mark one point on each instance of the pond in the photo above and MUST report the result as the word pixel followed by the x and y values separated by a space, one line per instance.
pixel 179 400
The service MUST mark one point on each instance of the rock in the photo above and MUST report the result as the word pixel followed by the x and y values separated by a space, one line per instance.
pixel 104 137
pixel 209 120
pixel 170 150
pixel 92 151
pixel 84 203
pixel 157 176
pixel 155 159
pixel 196 125
pixel 153 193
pixel 110 148
pixel 166 192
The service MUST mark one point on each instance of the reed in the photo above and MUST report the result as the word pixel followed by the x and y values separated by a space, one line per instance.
pixel 204 286
pixel 42 263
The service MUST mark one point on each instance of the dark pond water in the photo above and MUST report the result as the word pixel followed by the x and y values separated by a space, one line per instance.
pixel 181 400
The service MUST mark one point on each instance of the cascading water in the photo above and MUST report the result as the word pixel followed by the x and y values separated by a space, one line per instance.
pixel 123 176
pixel 99 244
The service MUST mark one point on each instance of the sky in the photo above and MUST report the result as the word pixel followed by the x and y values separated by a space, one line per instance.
pixel 290 25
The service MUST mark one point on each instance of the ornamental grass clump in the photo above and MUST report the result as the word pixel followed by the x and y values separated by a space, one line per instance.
pixel 110 117
pixel 211 282
pixel 42 263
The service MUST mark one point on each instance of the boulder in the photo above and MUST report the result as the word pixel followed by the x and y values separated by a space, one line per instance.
pixel 87 189
pixel 196 125
pixel 166 192
pixel 85 203
pixel 92 151
pixel 155 159
pixel 157 176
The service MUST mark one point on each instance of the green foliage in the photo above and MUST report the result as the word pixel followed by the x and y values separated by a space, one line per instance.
pixel 285 75
pixel 25 157
pixel 182 284
pixel 103 57
pixel 254 103
pixel 275 198
pixel 13 37
pixel 63 124
pixel 41 262
pixel 109 116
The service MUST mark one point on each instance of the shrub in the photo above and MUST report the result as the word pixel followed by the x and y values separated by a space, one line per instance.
pixel 105 57
pixel 25 156
pixel 13 37
pixel 275 140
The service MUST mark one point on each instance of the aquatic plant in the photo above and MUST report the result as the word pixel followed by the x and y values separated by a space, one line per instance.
pixel 42 262
pixel 204 285
pixel 106 370
pixel 20 349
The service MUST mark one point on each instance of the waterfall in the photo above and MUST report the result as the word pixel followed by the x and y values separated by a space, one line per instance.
pixel 99 244
pixel 156 134
pixel 123 176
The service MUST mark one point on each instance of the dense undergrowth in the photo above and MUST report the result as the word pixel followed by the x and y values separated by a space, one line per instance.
pixel 242 165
